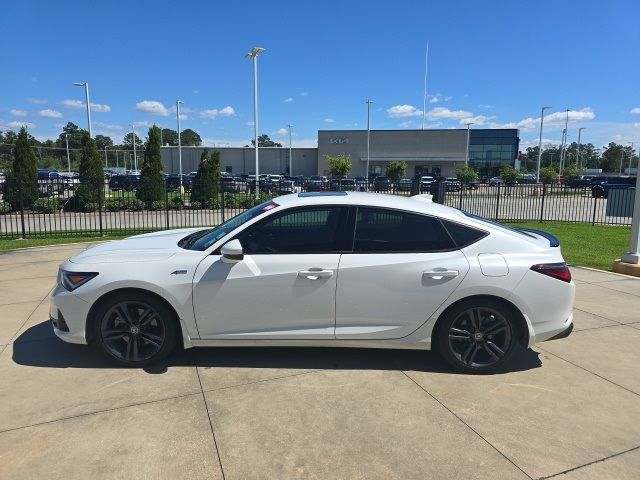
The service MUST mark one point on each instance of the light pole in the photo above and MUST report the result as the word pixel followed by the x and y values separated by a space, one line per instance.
pixel 66 138
pixel 253 55
pixel 106 163
pixel 630 158
pixel 178 102
pixel 369 102
pixel 578 152
pixel 540 143
pixel 563 152
pixel 466 158
pixel 133 140
pixel 290 158
pixel 86 97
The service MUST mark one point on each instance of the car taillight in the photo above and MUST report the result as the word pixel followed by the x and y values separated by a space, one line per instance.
pixel 555 270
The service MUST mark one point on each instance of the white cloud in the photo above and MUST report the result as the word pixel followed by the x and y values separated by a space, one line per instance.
pixel 406 124
pixel 328 120
pixel 183 116
pixel 18 113
pixel 446 114
pixel 143 123
pixel 153 107
pixel 107 126
pixel 433 125
pixel 77 105
pixel 16 124
pixel 554 119
pixel 404 111
pixel 227 111
pixel 635 110
pixel 477 120
pixel 636 124
pixel 485 105
pixel 434 99
pixel 250 123
pixel 37 101
pixel 48 113
pixel 282 132
pixel 304 94
pixel 288 100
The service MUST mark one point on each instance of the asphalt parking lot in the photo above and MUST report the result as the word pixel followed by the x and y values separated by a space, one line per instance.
pixel 567 409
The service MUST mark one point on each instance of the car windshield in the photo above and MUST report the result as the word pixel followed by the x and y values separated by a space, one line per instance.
pixel 202 240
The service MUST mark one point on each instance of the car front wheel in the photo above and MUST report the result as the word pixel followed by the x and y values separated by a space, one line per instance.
pixel 477 336
pixel 135 329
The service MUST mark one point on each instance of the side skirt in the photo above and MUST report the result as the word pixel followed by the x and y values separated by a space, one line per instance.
pixel 348 343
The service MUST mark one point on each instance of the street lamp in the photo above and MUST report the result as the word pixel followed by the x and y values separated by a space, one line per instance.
pixel 290 158
pixel 563 151
pixel 178 102
pixel 540 143
pixel 66 138
pixel 466 159
pixel 369 102
pixel 578 152
pixel 133 140
pixel 253 55
pixel 86 96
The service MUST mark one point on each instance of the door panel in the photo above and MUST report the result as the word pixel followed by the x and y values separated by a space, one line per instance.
pixel 389 295
pixel 265 296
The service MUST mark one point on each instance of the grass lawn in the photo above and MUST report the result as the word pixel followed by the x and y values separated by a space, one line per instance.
pixel 36 242
pixel 585 245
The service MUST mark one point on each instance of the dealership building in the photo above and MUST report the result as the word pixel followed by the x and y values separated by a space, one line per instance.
pixel 433 152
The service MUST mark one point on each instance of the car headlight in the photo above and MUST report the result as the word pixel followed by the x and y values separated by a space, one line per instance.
pixel 72 280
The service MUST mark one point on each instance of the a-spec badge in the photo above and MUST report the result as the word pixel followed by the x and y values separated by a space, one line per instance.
pixel 178 272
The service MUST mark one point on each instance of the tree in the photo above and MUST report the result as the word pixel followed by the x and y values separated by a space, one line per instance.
pixel 265 141
pixel 340 165
pixel 571 172
pixel 509 174
pixel 151 186
pixel 169 137
pixel 91 172
pixel 190 138
pixel 615 158
pixel 466 174
pixel 22 181
pixel 127 141
pixel 75 136
pixel 207 181
pixel 102 142
pixel 396 170
pixel 548 175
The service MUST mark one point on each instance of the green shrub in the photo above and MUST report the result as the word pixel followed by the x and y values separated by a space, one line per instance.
pixel 114 205
pixel 46 205
pixel 90 207
pixel 133 204
pixel 4 208
pixel 231 201
pixel 176 203
pixel 157 205
pixel 196 205
pixel 72 204
pixel 247 202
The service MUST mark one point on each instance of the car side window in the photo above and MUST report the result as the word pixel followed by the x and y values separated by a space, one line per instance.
pixel 392 231
pixel 463 235
pixel 306 230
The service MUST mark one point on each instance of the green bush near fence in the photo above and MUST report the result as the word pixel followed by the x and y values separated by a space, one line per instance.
pixel 46 205
pixel 196 205
pixel 157 205
pixel 5 207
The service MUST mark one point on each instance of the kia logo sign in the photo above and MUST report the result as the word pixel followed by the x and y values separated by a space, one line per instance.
pixel 339 140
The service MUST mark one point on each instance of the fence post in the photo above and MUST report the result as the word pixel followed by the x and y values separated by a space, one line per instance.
pixel 222 205
pixel 460 202
pixel 544 194
pixel 595 204
pixel 22 213
pixel 166 203
pixel 497 203
pixel 101 192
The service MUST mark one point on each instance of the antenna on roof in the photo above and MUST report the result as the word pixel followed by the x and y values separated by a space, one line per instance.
pixel 424 100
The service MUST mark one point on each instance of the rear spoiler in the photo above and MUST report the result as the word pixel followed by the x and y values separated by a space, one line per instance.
pixel 553 241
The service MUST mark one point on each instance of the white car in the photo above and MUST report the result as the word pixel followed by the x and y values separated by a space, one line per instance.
pixel 322 269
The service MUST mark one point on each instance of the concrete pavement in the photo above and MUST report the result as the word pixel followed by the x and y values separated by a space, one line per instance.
pixel 566 409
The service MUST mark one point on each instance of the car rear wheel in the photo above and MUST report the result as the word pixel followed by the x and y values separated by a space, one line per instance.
pixel 135 329
pixel 477 336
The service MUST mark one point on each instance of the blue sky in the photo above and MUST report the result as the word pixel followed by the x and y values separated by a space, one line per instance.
pixel 494 63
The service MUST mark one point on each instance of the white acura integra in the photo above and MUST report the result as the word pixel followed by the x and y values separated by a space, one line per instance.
pixel 322 269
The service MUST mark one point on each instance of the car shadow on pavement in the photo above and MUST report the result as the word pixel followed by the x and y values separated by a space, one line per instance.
pixel 39 347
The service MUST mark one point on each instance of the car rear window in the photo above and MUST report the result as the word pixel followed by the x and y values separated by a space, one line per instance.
pixel 463 235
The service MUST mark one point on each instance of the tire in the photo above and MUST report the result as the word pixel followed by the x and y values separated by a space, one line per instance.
pixel 135 329
pixel 477 336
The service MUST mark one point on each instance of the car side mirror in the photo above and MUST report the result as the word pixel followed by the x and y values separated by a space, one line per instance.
pixel 232 251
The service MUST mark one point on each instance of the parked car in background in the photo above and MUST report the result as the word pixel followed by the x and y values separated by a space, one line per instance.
pixel 404 185
pixel 173 182
pixel 452 184
pixel 3 181
pixel 382 184
pixel 495 181
pixel 348 185
pixel 473 290
pixel 316 183
pixel 50 182
pixel 125 183
pixel 601 189
pixel 425 183
pixel 232 184
pixel 528 178
pixel 361 183
pixel 70 180
pixel 284 187
pixel 578 183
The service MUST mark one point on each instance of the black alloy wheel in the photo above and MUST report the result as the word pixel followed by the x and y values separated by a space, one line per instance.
pixel 477 337
pixel 135 331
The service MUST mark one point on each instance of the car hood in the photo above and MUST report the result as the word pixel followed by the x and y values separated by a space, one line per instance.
pixel 149 247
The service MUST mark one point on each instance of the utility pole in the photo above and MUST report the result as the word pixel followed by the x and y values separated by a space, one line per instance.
pixel 369 102
pixel 66 138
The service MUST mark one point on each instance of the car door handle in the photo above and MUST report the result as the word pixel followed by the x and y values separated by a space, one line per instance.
pixel 440 274
pixel 315 273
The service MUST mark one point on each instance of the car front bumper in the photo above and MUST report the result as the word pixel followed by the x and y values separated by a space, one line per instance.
pixel 68 314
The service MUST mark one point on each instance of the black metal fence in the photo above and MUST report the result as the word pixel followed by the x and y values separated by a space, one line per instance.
pixel 118 210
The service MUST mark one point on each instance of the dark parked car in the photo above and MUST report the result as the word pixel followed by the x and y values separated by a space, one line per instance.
pixel 284 187
pixel 576 183
pixel 425 183
pixel 232 184
pixel 452 184
pixel 361 183
pixel 316 183
pixel 601 189
pixel 173 182
pixel 50 182
pixel 382 184
pixel 404 185
pixel 124 182
pixel 348 185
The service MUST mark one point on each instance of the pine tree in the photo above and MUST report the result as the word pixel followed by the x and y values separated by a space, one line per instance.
pixel 22 182
pixel 151 186
pixel 91 172
pixel 215 160
pixel 203 183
